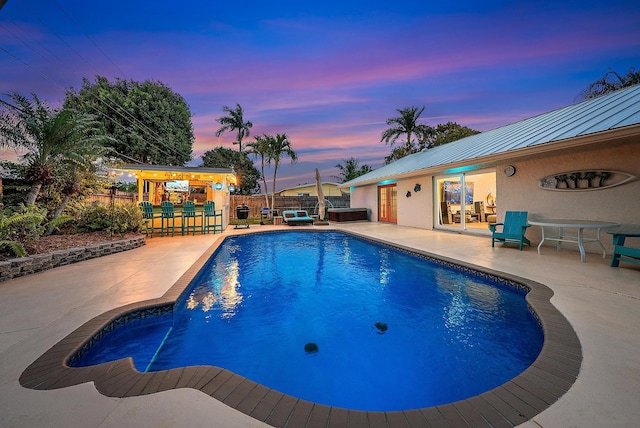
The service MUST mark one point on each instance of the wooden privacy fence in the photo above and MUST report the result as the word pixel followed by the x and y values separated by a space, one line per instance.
pixel 117 197
pixel 254 202
pixel 307 203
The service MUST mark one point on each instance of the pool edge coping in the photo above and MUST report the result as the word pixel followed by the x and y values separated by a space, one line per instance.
pixel 547 379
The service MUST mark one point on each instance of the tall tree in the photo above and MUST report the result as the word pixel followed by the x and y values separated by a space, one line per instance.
pixel 610 82
pixel 248 175
pixel 261 147
pixel 444 133
pixel 50 137
pixel 280 147
pixel 149 122
pixel 349 169
pixel 432 137
pixel 73 182
pixel 234 121
pixel 405 125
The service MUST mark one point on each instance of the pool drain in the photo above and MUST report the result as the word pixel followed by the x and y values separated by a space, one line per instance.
pixel 311 348
pixel 381 326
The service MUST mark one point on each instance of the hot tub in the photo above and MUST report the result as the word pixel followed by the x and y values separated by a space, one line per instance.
pixel 348 214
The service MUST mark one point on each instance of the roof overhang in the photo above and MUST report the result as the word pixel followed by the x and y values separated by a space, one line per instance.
pixel 166 173
pixel 623 135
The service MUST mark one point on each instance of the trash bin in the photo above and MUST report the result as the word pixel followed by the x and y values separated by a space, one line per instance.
pixel 242 214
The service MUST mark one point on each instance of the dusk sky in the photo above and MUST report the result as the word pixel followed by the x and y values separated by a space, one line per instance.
pixel 327 73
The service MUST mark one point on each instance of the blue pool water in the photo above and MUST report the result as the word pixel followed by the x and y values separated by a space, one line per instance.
pixel 394 331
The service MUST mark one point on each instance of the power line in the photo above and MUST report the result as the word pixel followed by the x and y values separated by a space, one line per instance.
pixel 107 102
pixel 15 24
pixel 32 68
pixel 89 38
pixel 99 99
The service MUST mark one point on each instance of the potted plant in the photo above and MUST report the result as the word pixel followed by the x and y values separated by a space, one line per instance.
pixel 562 181
pixel 589 177
pixel 604 175
pixel 583 182
pixel 574 177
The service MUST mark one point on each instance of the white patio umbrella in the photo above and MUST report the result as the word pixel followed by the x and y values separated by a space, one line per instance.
pixel 320 197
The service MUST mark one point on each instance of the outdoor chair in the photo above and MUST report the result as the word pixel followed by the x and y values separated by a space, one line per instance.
pixel 513 229
pixel 291 217
pixel 149 216
pixel 168 214
pixel 212 218
pixel 189 215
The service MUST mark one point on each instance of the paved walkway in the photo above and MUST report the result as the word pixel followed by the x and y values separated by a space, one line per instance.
pixel 602 304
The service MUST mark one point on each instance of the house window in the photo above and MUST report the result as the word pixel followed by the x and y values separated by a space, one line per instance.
pixel 388 203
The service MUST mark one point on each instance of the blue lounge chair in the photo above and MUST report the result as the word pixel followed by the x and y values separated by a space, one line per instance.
pixel 291 217
pixel 513 229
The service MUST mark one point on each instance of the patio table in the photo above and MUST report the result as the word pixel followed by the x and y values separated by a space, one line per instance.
pixel 581 225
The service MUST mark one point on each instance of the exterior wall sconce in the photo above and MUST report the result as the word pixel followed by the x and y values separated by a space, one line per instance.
pixel 218 186
pixel 417 188
pixel 408 193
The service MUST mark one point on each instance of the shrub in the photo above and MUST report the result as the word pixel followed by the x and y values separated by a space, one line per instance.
pixel 19 225
pixel 119 218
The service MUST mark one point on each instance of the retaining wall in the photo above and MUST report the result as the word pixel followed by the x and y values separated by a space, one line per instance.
pixel 22 266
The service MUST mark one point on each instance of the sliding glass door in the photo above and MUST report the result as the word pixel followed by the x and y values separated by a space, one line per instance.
pixel 464 201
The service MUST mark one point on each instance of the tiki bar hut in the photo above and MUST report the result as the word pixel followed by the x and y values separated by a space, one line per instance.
pixel 157 183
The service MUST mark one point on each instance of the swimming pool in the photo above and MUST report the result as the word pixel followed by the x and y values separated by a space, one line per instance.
pixel 552 373
pixel 340 321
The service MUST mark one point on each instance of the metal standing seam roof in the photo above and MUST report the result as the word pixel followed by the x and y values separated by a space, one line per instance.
pixel 612 111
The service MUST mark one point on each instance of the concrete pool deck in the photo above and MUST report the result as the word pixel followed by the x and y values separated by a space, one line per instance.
pixel 37 311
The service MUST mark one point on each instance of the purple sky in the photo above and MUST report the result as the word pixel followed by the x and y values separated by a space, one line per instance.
pixel 327 74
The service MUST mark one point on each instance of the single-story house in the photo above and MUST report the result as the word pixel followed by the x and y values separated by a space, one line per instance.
pixel 576 162
pixel 328 189
pixel 157 183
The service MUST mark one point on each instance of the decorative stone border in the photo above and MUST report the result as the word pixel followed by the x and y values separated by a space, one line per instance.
pixel 548 378
pixel 22 266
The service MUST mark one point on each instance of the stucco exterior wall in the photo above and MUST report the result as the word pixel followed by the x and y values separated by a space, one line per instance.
pixel 416 210
pixel 520 192
pixel 619 204
pixel 366 197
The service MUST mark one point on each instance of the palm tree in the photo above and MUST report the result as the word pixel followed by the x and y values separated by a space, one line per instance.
pixel 50 137
pixel 262 147
pixel 350 170
pixel 280 146
pixel 234 122
pixel 73 182
pixel 405 124
pixel 610 82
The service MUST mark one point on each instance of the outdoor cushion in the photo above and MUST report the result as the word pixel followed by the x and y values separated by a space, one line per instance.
pixel 296 217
